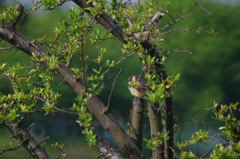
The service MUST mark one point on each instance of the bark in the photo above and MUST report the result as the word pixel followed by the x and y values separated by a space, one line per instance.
pixel 155 121
pixel 104 20
pixel 109 24
pixel 95 106
pixel 29 143
pixel 109 153
pixel 136 127
pixel 155 127
pixel 168 115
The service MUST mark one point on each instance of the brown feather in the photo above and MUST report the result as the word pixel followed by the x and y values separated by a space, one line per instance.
pixel 140 90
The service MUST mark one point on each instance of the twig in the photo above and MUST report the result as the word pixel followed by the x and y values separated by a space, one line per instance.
pixel 101 87
pixel 187 29
pixel 187 51
pixel 206 153
pixel 7 48
pixel 29 128
pixel 28 114
pixel 52 44
pixel 215 137
pixel 110 30
pixel 117 63
pixel 160 40
pixel 203 8
pixel 168 15
pixel 141 72
pixel 30 11
pixel 64 111
pixel 197 6
pixel 27 156
pixel 92 63
pixel 20 29
pixel 211 131
pixel 15 51
pixel 44 139
pixel 106 108
pixel 130 23
pixel 15 148
pixel 90 22
pixel 89 66
pixel 70 58
pixel 113 87
pixel 60 110
pixel 83 66
pixel 44 144
pixel 10 81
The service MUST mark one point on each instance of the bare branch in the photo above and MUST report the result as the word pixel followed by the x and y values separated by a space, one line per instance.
pixel 44 139
pixel 12 83
pixel 56 108
pixel 118 63
pixel 95 106
pixel 113 87
pixel 83 66
pixel 7 48
pixel 27 141
pixel 30 127
pixel 177 50
pixel 29 114
pixel 15 148
pixel 189 14
pixel 101 87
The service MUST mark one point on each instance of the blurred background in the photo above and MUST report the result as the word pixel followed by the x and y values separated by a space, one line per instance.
pixel 211 73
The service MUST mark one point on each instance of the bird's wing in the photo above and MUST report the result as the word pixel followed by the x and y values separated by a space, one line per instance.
pixel 141 89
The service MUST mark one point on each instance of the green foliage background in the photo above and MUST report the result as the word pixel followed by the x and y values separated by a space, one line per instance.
pixel 211 73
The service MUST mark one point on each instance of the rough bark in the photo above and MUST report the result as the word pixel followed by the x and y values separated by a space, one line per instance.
pixel 29 143
pixel 95 106
pixel 168 115
pixel 104 20
pixel 136 127
pixel 155 127
pixel 109 24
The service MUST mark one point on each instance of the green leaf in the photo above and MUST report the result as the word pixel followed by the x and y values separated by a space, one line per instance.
pixel 97 32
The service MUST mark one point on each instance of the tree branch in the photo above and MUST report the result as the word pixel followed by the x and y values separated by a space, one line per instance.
pixel 136 126
pixel 27 141
pixel 95 106
pixel 104 20
pixel 108 23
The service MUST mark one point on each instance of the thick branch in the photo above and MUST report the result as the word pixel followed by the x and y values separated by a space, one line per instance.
pixel 168 112
pixel 29 143
pixel 155 127
pixel 168 115
pixel 104 20
pixel 95 106
pixel 168 106
pixel 109 24
pixel 136 127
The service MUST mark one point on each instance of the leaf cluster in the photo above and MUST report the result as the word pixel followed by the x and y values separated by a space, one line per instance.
pixel 9 13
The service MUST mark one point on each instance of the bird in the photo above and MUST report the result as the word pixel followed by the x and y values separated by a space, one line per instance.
pixel 137 87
